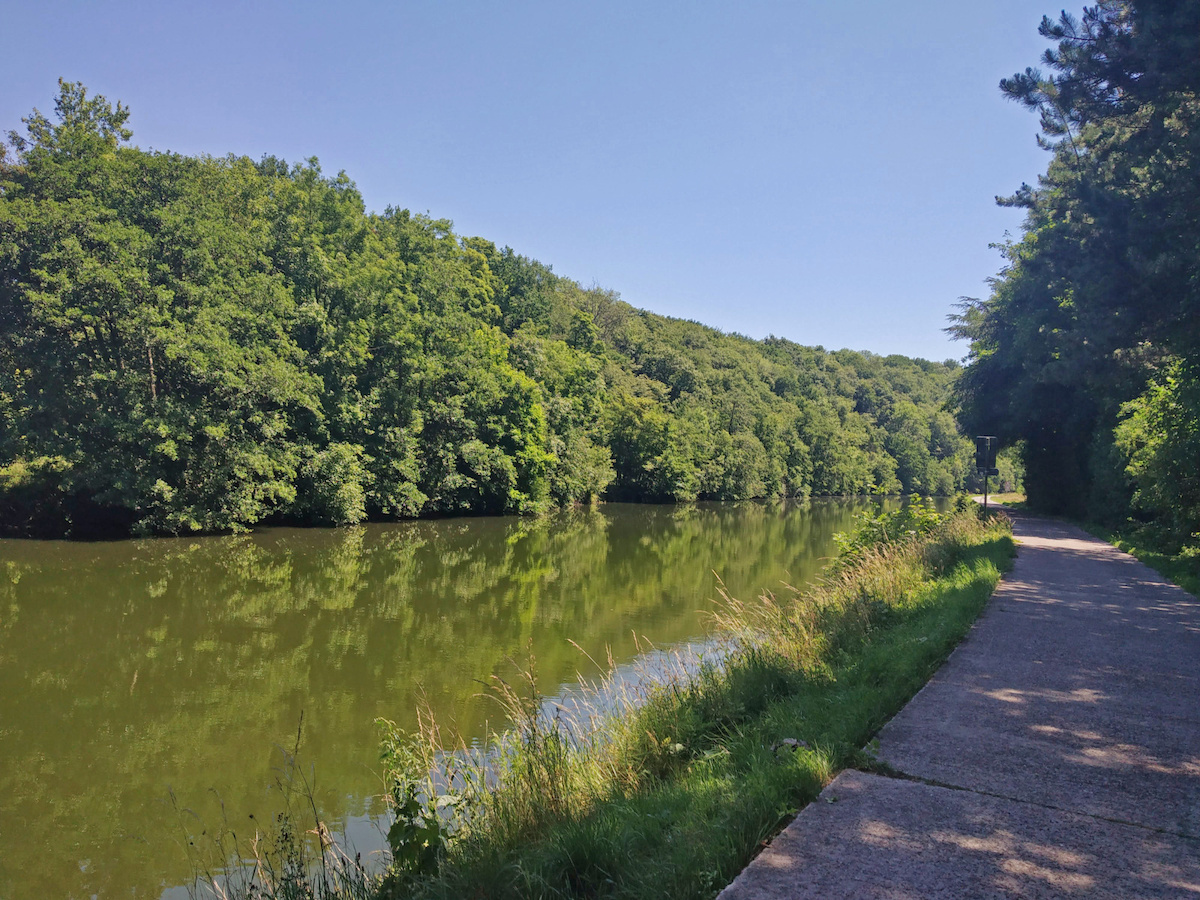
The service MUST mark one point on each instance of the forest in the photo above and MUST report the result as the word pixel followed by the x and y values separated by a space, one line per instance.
pixel 203 344
pixel 1087 351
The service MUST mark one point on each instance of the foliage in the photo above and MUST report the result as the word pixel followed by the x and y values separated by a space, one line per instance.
pixel 914 520
pixel 421 808
pixel 1087 348
pixel 1159 433
pixel 201 344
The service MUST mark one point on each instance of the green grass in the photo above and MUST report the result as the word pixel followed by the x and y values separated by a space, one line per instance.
pixel 1009 498
pixel 673 796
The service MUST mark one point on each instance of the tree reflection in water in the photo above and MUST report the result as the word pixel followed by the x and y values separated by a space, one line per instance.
pixel 130 668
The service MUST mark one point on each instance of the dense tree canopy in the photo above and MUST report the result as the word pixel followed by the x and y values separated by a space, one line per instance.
pixel 200 344
pixel 1088 348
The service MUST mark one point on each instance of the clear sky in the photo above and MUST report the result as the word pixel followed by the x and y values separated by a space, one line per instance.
pixel 822 171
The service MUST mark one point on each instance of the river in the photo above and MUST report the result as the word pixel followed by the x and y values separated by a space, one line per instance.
pixel 137 671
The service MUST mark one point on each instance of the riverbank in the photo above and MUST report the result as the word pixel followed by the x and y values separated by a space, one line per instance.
pixel 677 790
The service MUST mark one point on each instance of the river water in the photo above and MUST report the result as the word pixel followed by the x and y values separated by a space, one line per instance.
pixel 147 686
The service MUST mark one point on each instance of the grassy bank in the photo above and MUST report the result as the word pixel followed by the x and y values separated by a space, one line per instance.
pixel 675 793
pixel 677 785
pixel 1008 498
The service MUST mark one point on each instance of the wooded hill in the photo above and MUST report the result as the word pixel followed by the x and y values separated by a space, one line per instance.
pixel 201 344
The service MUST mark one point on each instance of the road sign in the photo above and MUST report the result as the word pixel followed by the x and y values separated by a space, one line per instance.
pixel 986 446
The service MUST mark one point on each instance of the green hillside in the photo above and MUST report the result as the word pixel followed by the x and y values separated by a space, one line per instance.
pixel 204 343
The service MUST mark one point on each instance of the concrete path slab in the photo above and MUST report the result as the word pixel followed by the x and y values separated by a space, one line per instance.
pixel 1059 746
pixel 895 839
pixel 1078 688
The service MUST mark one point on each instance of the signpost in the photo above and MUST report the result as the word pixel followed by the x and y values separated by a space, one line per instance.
pixel 986 447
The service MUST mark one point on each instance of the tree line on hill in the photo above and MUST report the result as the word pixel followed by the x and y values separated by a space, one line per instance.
pixel 199 344
pixel 1088 349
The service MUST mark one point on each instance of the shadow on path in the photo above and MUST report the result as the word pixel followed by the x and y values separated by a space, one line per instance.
pixel 1056 754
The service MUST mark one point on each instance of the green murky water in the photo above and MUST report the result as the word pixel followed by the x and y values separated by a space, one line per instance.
pixel 133 669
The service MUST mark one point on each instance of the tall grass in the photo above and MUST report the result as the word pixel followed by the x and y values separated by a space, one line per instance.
pixel 669 784
pixel 675 784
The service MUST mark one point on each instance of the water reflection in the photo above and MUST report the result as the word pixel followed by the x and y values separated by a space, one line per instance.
pixel 134 667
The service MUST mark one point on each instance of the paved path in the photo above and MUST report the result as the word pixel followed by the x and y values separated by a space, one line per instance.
pixel 1056 754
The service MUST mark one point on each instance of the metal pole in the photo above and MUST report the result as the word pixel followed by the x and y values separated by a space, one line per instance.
pixel 985 481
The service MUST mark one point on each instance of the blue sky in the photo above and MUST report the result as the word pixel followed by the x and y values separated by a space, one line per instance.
pixel 822 171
